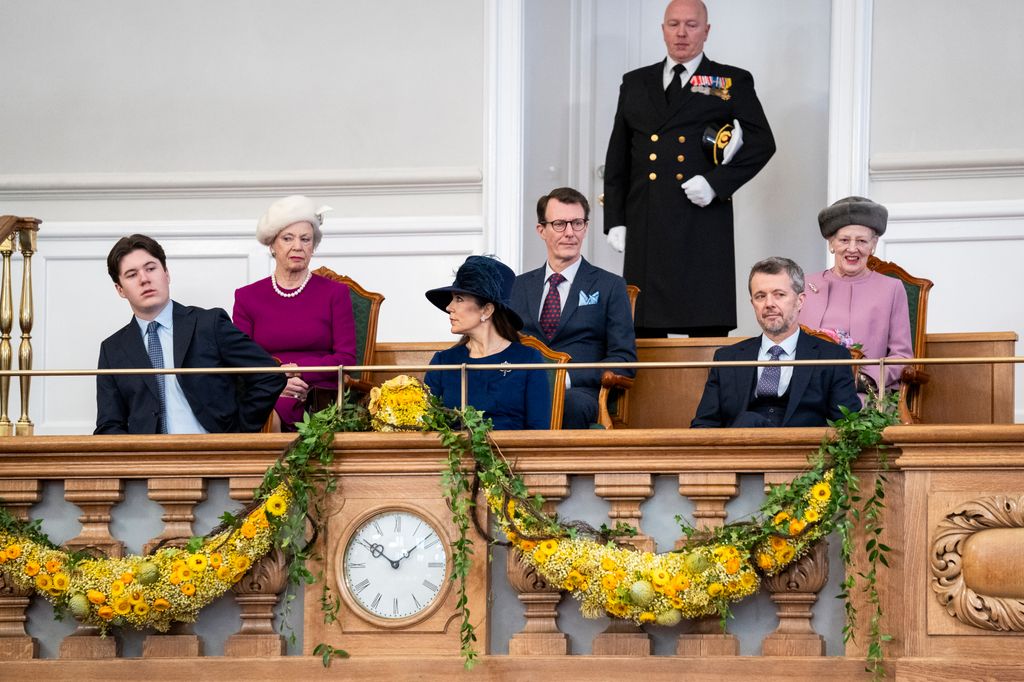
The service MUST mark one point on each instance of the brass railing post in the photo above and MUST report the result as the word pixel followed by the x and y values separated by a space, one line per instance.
pixel 28 229
pixel 6 322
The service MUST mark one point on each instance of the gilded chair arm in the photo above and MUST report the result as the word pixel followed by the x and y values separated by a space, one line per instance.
pixel 361 385
pixel 915 375
pixel 612 380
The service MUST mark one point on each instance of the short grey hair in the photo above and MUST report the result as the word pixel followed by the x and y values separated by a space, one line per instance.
pixel 775 265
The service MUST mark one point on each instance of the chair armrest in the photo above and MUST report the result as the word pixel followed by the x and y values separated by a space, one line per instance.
pixel 915 375
pixel 612 380
pixel 360 385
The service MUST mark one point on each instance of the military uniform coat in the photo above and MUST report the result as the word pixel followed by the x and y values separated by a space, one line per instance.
pixel 680 255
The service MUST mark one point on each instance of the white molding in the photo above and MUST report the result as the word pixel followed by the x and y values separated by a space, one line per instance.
pixel 581 165
pixel 503 180
pixel 342 228
pixel 945 165
pixel 955 210
pixel 185 185
pixel 849 98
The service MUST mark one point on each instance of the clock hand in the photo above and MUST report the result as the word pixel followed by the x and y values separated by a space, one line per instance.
pixel 410 550
pixel 378 551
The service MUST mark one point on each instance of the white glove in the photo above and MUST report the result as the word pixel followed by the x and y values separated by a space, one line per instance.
pixel 698 191
pixel 735 142
pixel 616 240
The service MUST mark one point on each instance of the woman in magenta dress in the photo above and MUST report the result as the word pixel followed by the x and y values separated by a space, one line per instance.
pixel 299 318
pixel 868 308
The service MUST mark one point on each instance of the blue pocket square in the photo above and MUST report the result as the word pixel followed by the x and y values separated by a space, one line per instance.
pixel 589 299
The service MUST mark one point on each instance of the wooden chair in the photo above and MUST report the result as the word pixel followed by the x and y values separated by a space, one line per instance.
pixel 913 376
pixel 615 413
pixel 556 379
pixel 365 310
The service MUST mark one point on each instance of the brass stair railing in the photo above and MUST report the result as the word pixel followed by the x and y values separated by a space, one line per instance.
pixel 16 234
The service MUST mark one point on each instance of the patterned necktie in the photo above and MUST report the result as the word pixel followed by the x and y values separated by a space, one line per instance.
pixel 552 309
pixel 156 358
pixel 674 91
pixel 768 384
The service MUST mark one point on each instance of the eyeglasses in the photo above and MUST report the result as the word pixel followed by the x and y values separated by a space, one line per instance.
pixel 579 224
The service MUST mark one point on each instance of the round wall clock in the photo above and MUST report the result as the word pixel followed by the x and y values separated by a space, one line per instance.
pixel 395 565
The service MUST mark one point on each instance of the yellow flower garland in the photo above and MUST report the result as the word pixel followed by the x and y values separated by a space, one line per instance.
pixel 143 591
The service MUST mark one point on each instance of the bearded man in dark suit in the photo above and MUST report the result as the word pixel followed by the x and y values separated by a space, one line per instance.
pixel 164 333
pixel 585 314
pixel 665 202
pixel 777 395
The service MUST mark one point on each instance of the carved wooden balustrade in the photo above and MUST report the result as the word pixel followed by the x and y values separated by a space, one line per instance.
pixel 16 234
pixel 952 599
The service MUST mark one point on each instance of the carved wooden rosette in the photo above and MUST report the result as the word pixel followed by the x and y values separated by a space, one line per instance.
pixel 795 590
pixel 626 492
pixel 18 496
pixel 540 636
pixel 709 492
pixel 257 593
pixel 976 563
pixel 95 497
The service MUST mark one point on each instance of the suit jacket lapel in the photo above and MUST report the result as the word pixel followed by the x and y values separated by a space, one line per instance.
pixel 134 349
pixel 746 376
pixel 184 326
pixel 653 82
pixel 806 349
pixel 534 290
pixel 584 281
pixel 702 69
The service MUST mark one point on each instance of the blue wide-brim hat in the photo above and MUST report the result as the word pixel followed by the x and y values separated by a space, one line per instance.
pixel 484 277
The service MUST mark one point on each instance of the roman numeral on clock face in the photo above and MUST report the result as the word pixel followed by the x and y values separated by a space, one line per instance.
pixel 361 585
pixel 430 586
pixel 376 600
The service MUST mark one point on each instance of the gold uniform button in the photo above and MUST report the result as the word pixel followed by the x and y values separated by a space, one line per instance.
pixel 654 138
pixel 680 158
pixel 682 138
pixel 653 176
pixel 653 157
pixel 679 176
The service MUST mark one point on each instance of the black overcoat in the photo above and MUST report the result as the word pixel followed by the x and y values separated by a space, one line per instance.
pixel 680 255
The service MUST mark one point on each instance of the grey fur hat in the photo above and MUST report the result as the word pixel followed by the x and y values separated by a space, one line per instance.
pixel 487 278
pixel 853 211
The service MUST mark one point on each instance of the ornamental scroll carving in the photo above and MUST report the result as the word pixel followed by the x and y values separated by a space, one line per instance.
pixel 947 562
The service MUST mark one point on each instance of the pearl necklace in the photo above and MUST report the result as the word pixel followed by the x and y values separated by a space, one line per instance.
pixel 277 289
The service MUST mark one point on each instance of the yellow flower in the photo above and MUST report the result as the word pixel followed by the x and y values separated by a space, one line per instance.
pixel 185 573
pixel 732 565
pixel 777 542
pixel 796 526
pixel 105 612
pixel 248 530
pixel 764 562
pixel 780 518
pixel 549 546
pixel 136 597
pixel 161 604
pixel 187 589
pixel 60 581
pixel 224 573
pixel 527 545
pixel 539 555
pixel 785 555
pixel 647 617
pixel 608 563
pixel 116 588
pixel 810 516
pixel 748 580
pixel 715 589
pixel 43 581
pixel 242 563
pixel 659 577
pixel 175 578
pixel 215 560
pixel 31 567
pixel 237 576
pixel 680 582
pixel 177 565
pixel 122 607
pixel 197 562
pixel 96 597
pixel 13 551
pixel 127 577
pixel 821 491
pixel 52 566
pixel 140 608
pixel 276 505
pixel 609 581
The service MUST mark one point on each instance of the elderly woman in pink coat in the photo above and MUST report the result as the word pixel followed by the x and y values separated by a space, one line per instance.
pixel 855 303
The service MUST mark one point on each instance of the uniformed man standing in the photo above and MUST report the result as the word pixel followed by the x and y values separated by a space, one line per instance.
pixel 666 201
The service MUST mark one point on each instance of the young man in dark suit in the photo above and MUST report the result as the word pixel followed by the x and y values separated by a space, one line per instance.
pixel 777 396
pixel 163 333
pixel 585 314
pixel 665 201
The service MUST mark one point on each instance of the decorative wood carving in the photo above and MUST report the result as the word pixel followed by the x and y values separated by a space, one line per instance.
pixel 17 496
pixel 540 636
pixel 626 492
pixel 795 590
pixel 952 535
pixel 257 594
pixel 178 496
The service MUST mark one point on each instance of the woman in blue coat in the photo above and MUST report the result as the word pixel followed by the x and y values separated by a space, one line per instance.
pixel 477 304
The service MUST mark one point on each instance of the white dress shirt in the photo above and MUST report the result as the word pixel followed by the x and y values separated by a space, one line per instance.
pixel 563 289
pixel 691 68
pixel 180 418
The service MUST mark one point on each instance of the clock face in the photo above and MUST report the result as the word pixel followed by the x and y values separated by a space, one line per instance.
pixel 395 565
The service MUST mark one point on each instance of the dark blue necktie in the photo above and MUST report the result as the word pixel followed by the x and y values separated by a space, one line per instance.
pixel 156 358
pixel 768 384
